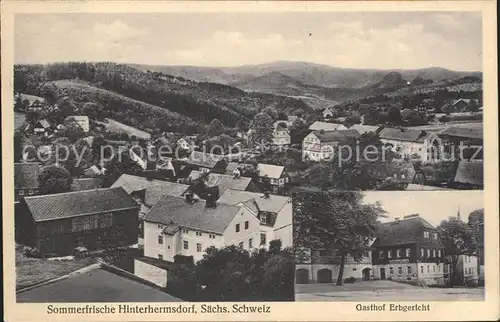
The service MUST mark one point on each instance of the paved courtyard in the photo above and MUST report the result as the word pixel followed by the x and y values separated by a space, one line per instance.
pixel 383 291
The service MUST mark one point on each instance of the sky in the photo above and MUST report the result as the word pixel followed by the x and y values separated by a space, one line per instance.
pixel 378 40
pixel 433 206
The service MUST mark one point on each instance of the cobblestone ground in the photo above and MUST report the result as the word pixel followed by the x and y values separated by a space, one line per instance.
pixel 384 291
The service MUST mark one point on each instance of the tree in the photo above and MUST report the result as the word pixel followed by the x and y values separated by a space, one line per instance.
pixel 215 128
pixel 394 115
pixel 458 239
pixel 271 111
pixel 476 223
pixel 335 220
pixel 473 106
pixel 19 141
pixel 262 126
pixel 72 130
pixel 54 179
pixel 444 119
pixel 120 164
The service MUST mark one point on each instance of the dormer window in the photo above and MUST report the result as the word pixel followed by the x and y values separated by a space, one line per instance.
pixel 408 252
pixel 263 218
pixel 426 234
pixel 381 254
pixel 398 253
pixel 389 254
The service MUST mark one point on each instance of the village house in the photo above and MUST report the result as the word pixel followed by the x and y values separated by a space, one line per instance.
pixel 25 179
pixel 408 249
pixel 460 105
pixel 223 181
pixel 184 144
pixel 83 121
pixel 95 219
pixel 281 138
pixel 96 283
pixel 466 269
pixel 94 171
pixel 274 213
pixel 282 124
pixel 207 162
pixel 275 175
pixel 322 266
pixel 328 113
pixel 187 226
pixel 417 144
pixel 320 145
pixel 453 137
pixel 40 127
pixel 325 126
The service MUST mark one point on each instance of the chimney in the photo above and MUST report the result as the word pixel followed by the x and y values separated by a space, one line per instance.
pixel 411 216
pixel 189 197
pixel 266 195
pixel 210 203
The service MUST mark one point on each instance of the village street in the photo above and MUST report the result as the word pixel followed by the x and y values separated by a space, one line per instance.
pixel 383 291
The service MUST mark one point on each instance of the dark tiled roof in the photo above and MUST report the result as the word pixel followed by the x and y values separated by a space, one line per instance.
pixel 405 231
pixel 73 204
pixel 96 286
pixel 473 132
pixel 86 184
pixel 174 210
pixel 470 172
pixel 26 175
pixel 205 160
pixel 403 134
pixel 336 136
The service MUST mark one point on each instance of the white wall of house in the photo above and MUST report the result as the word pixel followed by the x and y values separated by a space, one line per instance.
pixel 281 138
pixel 314 150
pixel 407 148
pixel 350 270
pixel 467 266
pixel 403 271
pixel 244 235
pixel 150 273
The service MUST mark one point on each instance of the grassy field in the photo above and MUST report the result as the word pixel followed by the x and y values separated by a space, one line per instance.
pixel 30 271
pixel 114 126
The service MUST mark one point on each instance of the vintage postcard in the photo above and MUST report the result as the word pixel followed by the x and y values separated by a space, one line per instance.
pixel 266 160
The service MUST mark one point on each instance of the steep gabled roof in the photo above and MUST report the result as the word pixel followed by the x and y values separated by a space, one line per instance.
pixel 26 175
pixel 405 231
pixel 177 211
pixel 270 170
pixel 206 160
pixel 80 203
pixel 156 191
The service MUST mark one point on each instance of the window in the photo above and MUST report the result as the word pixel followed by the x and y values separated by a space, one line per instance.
pixel 160 226
pixel 262 238
pixel 212 236
pixel 198 233
pixel 185 244
pixel 422 252
pixel 237 227
pixel 30 192
pixel 439 252
pixel 435 236
pixel 246 224
pixel 160 256
pixel 198 248
pixel 400 270
pixel 426 234
pixel 433 253
pixel 445 269
pixel 263 218
pixel 160 240
pixel 21 192
pixel 391 270
pixel 240 245
pixel 250 243
pixel 439 269
pixel 421 269
pixel 185 231
pixel 381 254
pixel 389 254
pixel 408 252
pixel 428 269
pixel 408 270
pixel 428 253
pixel 434 269
pixel 398 253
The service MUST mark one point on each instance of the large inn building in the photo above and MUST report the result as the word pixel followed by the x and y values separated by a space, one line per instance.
pixel 405 249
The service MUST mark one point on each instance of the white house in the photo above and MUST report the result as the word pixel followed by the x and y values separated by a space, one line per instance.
pixel 281 137
pixel 187 226
pixel 325 126
pixel 408 142
pixel 321 145
pixel 328 113
pixel 274 212
pixel 184 144
pixel 82 120
pixel 274 174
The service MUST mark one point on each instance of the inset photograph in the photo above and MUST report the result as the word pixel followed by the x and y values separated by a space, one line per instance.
pixel 388 246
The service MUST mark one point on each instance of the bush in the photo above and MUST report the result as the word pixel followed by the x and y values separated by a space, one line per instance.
pixel 350 280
